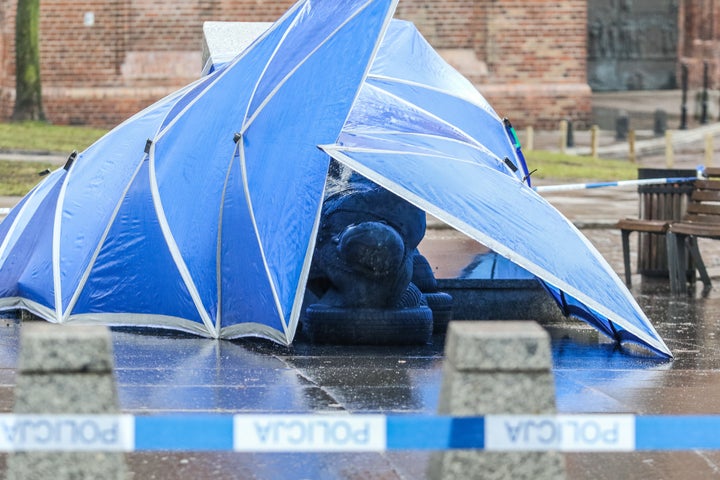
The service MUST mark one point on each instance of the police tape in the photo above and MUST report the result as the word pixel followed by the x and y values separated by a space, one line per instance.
pixel 356 433
pixel 620 183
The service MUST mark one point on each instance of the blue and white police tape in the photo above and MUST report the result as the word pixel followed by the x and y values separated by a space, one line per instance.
pixel 357 433
pixel 699 174
pixel 620 183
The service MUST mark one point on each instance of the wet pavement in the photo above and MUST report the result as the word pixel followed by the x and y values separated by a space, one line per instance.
pixel 164 372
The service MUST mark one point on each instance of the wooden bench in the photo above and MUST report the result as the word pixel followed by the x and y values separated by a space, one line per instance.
pixel 629 225
pixel 702 220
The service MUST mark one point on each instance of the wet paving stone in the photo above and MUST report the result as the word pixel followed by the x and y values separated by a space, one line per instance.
pixel 166 372
pixel 234 466
pixel 227 399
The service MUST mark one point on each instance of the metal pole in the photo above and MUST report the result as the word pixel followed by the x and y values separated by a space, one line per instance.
pixel 683 105
pixel 704 111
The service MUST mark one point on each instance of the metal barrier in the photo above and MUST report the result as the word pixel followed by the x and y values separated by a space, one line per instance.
pixel 357 432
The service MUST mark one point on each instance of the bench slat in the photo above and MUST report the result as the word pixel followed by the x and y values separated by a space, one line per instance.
pixel 696 229
pixel 707 185
pixel 640 225
pixel 706 195
pixel 703 208
pixel 712 171
pixel 711 219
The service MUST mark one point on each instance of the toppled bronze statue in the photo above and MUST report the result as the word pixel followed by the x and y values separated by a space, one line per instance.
pixel 368 282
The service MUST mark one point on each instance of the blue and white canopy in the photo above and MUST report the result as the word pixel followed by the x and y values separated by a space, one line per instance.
pixel 200 213
pixel 422 131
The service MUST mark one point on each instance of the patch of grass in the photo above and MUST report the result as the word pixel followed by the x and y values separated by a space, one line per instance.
pixel 43 137
pixel 18 178
pixel 570 168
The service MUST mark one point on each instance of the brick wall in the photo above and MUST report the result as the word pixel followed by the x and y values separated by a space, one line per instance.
pixel 445 24
pixel 700 41
pixel 526 56
pixel 535 53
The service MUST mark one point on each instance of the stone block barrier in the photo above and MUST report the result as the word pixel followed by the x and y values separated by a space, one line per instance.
pixel 65 370
pixel 497 367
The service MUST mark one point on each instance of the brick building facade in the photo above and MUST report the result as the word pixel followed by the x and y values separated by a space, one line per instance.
pixel 102 61
pixel 699 40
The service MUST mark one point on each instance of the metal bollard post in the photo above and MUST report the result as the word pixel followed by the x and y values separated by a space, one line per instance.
pixel 622 125
pixel 683 105
pixel 497 367
pixel 704 104
pixel 660 122
pixel 65 370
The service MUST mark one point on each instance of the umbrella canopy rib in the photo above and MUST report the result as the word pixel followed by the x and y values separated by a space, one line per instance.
pixel 57 226
pixel 279 85
pixel 25 207
pixel 175 250
pixel 476 143
pixel 429 88
pixel 256 233
pixel 91 263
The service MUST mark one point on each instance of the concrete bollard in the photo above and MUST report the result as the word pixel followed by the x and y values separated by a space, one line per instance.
pixel 497 367
pixel 65 370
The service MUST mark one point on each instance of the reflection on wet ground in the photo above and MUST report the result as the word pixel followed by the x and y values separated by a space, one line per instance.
pixel 164 372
